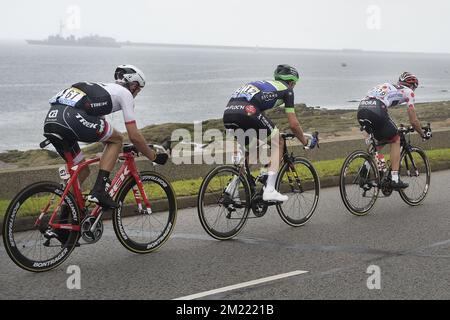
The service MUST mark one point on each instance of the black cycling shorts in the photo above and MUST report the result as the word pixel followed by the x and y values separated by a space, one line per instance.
pixel 376 118
pixel 75 125
pixel 246 117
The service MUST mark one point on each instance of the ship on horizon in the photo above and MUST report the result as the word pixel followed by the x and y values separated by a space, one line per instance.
pixel 72 41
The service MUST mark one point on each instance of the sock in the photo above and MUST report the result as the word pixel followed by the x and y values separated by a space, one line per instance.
pixel 271 180
pixel 100 183
pixel 395 176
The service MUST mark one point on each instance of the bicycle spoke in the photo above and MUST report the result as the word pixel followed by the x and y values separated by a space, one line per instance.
pixel 418 185
pixel 140 231
pixel 26 243
pixel 300 206
pixel 356 173
pixel 222 205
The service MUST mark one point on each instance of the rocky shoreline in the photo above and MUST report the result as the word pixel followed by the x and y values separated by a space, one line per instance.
pixel 334 124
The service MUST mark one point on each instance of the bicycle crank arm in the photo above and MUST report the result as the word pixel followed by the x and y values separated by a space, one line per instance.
pixel 272 203
pixel 94 225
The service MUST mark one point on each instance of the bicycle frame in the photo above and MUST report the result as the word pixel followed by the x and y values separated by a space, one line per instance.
pixel 128 169
pixel 406 152
pixel 286 158
pixel 404 144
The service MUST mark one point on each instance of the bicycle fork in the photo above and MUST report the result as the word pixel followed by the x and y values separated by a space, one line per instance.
pixel 141 197
pixel 413 165
pixel 293 175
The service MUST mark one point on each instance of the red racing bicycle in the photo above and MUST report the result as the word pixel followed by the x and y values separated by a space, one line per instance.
pixel 143 222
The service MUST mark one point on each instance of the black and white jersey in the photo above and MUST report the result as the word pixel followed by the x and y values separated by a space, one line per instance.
pixel 98 99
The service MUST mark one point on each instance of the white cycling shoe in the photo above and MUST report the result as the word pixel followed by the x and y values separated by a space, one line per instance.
pixel 272 195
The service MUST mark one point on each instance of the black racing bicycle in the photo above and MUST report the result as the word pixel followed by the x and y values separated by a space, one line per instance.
pixel 229 193
pixel 363 176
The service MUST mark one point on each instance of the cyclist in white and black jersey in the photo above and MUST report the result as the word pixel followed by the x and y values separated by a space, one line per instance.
pixel 77 114
pixel 373 114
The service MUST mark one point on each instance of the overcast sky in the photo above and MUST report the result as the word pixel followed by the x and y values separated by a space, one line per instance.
pixel 386 25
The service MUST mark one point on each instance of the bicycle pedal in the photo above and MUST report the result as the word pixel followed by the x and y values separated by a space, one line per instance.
pixel 77 245
pixel 238 206
pixel 50 234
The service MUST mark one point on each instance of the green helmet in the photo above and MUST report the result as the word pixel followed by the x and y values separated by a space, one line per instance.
pixel 286 72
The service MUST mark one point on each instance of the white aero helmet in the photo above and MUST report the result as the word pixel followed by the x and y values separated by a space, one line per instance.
pixel 127 73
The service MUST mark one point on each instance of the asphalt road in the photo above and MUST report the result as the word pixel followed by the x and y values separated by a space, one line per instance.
pixel 411 247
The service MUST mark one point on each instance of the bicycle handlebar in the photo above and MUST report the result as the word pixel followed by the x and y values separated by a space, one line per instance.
pixel 290 136
pixel 163 148
pixel 410 129
pixel 428 133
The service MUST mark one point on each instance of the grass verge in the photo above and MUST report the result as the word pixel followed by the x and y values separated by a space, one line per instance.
pixel 328 168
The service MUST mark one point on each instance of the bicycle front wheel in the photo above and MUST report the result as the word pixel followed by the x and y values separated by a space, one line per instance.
pixel 143 229
pixel 26 222
pixel 223 202
pixel 359 183
pixel 415 170
pixel 299 180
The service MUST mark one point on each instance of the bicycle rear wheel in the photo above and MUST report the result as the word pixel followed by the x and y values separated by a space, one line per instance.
pixel 24 238
pixel 300 180
pixel 358 183
pixel 141 229
pixel 224 202
pixel 415 170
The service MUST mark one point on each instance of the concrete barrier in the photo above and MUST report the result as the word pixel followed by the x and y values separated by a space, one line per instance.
pixel 13 180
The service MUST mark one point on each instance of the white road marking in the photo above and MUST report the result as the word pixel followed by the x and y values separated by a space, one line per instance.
pixel 242 285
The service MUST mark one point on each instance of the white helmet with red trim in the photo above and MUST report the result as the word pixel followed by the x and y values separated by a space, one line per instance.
pixel 409 80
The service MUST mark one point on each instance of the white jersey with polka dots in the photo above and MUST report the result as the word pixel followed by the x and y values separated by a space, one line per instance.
pixel 392 95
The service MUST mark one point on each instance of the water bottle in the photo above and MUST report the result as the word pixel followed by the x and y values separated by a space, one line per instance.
pixel 237 157
pixel 381 162
pixel 64 174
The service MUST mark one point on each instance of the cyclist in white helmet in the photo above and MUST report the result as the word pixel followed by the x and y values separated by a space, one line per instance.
pixel 77 114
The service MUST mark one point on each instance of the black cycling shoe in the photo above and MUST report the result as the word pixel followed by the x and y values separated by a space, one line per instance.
pixel 61 235
pixel 398 185
pixel 102 199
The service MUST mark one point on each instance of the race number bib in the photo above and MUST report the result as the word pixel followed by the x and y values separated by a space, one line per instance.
pixel 380 91
pixel 248 92
pixel 68 97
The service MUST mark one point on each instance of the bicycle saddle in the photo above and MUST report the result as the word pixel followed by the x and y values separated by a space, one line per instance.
pixel 366 125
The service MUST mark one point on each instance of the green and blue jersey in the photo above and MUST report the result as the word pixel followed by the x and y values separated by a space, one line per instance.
pixel 265 95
